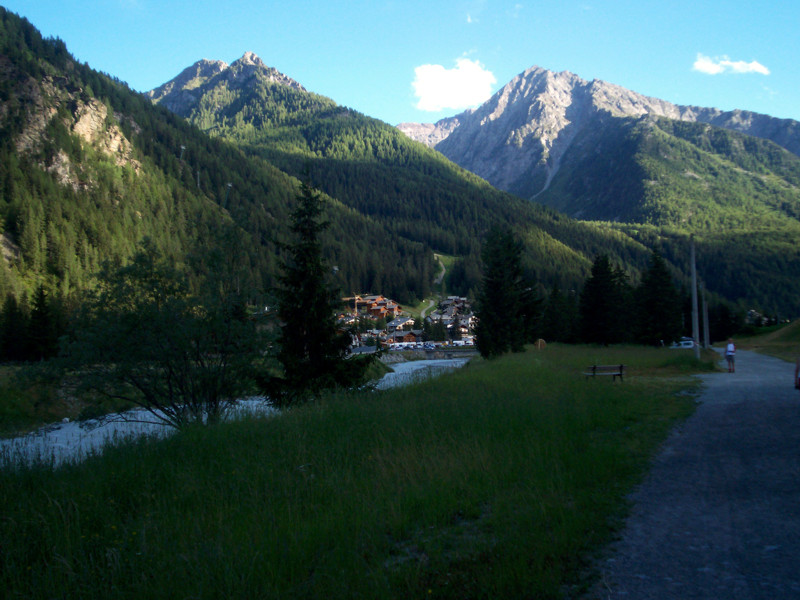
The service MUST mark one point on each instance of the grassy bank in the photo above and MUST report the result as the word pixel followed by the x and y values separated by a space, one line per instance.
pixel 25 405
pixel 781 342
pixel 495 481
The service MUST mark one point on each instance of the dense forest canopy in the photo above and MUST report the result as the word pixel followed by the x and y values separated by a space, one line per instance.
pixel 88 168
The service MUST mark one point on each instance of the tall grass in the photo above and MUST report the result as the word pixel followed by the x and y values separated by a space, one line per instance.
pixel 495 481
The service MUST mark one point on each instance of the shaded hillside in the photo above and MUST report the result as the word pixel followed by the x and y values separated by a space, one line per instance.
pixel 89 168
pixel 657 171
pixel 371 167
pixel 688 176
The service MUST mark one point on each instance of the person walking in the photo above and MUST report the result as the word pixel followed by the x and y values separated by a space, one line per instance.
pixel 730 356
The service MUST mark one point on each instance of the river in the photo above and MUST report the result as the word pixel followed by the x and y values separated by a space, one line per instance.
pixel 71 441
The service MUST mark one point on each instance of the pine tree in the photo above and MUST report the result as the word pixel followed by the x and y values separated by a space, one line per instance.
pixel 506 303
pixel 559 320
pixel 43 328
pixel 312 350
pixel 658 305
pixel 604 304
pixel 13 330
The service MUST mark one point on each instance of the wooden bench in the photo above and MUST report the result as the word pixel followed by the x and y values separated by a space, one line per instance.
pixel 613 370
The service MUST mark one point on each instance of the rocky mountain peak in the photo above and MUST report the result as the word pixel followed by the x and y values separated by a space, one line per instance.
pixel 517 139
pixel 181 94
pixel 251 59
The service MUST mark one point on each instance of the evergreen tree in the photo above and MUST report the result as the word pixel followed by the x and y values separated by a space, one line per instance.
pixel 658 305
pixel 530 312
pixel 312 351
pixel 504 301
pixel 13 330
pixel 559 320
pixel 43 328
pixel 604 304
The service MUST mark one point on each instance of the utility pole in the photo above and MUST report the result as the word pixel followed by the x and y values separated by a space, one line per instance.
pixel 706 333
pixel 695 319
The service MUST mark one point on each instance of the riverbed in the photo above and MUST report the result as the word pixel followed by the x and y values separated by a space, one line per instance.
pixel 71 441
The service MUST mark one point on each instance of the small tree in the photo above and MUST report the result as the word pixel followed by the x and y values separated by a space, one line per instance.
pixel 312 349
pixel 145 338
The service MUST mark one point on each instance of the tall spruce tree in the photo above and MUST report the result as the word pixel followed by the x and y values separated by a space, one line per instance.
pixel 43 330
pixel 604 304
pixel 312 350
pixel 559 319
pixel 658 305
pixel 506 303
pixel 14 322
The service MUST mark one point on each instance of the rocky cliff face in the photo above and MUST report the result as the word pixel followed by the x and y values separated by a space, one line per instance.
pixel 88 118
pixel 517 139
pixel 181 94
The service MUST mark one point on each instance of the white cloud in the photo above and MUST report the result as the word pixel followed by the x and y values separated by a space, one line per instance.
pixel 468 84
pixel 717 65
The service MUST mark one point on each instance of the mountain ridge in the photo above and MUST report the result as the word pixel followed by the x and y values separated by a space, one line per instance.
pixel 541 112
pixel 233 160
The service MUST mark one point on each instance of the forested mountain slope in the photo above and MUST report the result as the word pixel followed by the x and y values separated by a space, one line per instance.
pixel 693 177
pixel 657 171
pixel 89 168
pixel 369 166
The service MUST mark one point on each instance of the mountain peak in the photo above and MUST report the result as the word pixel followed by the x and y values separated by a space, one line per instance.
pixel 517 139
pixel 250 59
pixel 181 94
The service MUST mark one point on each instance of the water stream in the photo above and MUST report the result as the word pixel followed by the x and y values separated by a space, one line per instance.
pixel 71 441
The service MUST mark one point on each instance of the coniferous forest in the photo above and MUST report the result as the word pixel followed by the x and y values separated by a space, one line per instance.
pixel 89 169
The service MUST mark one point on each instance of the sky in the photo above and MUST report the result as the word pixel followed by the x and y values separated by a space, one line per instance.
pixel 420 61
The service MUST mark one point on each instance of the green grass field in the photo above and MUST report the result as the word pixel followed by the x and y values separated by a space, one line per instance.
pixel 500 480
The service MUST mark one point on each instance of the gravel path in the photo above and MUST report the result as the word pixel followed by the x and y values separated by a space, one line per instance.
pixel 718 516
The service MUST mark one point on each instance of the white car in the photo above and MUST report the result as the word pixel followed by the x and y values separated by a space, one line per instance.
pixel 683 343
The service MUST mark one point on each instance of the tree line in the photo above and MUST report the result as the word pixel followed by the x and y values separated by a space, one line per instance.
pixel 608 309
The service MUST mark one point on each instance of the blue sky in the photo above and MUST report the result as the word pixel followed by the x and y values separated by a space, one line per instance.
pixel 409 60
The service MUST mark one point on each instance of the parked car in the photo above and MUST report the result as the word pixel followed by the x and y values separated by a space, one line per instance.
pixel 684 342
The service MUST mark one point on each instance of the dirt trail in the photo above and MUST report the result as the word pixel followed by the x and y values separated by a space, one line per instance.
pixel 718 516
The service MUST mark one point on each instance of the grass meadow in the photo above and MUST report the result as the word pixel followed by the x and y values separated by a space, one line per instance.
pixel 781 342
pixel 501 480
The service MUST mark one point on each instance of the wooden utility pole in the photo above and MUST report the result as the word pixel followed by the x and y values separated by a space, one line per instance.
pixel 695 318
pixel 706 333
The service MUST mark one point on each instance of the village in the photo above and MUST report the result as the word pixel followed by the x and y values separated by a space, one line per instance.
pixel 380 322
